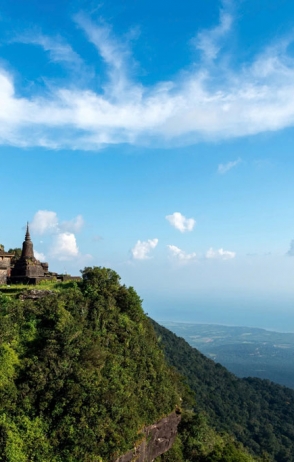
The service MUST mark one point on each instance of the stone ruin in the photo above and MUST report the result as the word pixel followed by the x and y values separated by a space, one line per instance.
pixel 5 265
pixel 27 269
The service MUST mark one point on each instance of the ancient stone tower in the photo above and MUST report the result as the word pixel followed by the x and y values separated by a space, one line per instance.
pixel 27 246
pixel 27 268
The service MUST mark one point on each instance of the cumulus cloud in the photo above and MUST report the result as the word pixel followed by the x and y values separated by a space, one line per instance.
pixel 63 244
pixel 290 252
pixel 180 222
pixel 39 255
pixel 44 221
pixel 64 247
pixel 220 254
pixel 224 168
pixel 181 255
pixel 142 249
pixel 211 101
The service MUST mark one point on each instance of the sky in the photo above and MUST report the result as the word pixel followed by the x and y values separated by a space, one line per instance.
pixel 155 138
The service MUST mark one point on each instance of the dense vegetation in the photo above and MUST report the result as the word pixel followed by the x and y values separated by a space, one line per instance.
pixel 80 373
pixel 258 413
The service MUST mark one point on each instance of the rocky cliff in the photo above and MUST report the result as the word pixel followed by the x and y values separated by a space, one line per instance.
pixel 158 438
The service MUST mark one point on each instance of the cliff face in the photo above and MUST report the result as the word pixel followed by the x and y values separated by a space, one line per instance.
pixel 159 438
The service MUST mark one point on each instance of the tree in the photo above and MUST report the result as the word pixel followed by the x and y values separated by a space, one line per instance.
pixel 17 253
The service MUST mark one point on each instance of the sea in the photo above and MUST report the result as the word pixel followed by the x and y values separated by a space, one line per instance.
pixel 269 315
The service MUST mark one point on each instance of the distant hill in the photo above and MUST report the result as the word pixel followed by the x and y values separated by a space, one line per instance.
pixel 245 351
pixel 257 412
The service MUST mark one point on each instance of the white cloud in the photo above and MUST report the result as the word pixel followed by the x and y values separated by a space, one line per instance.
pixel 64 247
pixel 211 101
pixel 39 255
pixel 180 222
pixel 44 221
pixel 75 225
pixel 142 249
pixel 209 41
pixel 224 168
pixel 57 48
pixel 180 255
pixel 114 53
pixel 63 244
pixel 220 254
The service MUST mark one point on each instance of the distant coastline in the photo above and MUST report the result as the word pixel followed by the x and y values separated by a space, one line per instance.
pixel 269 329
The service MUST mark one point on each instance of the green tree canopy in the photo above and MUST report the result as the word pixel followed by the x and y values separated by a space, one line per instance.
pixel 81 373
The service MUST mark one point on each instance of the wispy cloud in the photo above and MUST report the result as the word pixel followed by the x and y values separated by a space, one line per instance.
pixel 181 255
pixel 180 222
pixel 115 54
pixel 195 106
pixel 209 41
pixel 97 238
pixel 224 168
pixel 75 225
pixel 142 249
pixel 58 49
pixel 220 254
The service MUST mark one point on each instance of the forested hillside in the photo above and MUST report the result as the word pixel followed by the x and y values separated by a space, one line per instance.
pixel 259 413
pixel 80 373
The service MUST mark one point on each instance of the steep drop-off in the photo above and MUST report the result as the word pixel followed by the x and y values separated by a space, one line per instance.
pixel 258 413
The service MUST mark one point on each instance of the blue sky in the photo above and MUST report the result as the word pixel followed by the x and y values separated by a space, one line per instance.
pixel 155 138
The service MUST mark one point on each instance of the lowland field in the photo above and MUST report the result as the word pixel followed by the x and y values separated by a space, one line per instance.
pixel 245 351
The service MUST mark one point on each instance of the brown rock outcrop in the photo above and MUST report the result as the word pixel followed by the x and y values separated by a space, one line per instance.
pixel 36 294
pixel 158 438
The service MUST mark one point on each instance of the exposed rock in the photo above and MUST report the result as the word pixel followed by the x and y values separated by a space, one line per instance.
pixel 35 294
pixel 158 439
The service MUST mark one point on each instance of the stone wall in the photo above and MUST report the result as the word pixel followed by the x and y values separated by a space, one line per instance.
pixel 158 438
pixel 3 276
pixel 5 262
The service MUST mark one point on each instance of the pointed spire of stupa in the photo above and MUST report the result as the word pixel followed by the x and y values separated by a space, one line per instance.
pixel 27 247
pixel 28 237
